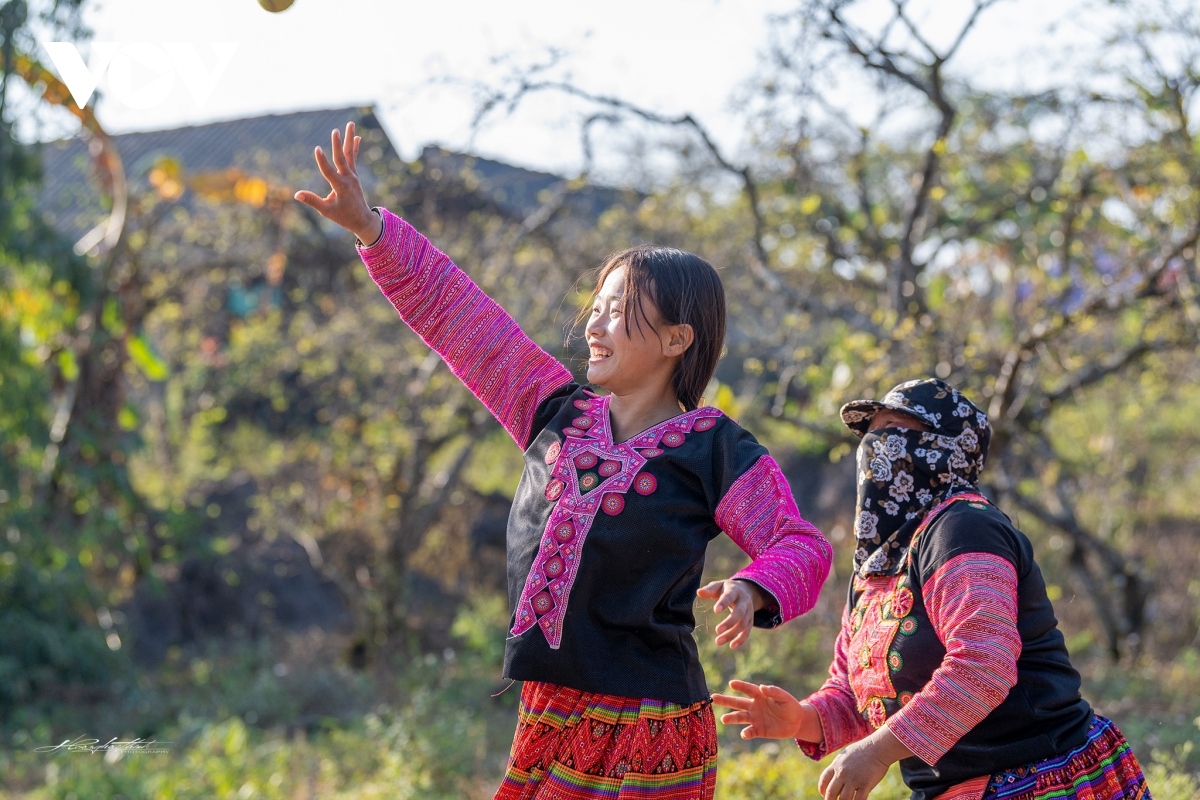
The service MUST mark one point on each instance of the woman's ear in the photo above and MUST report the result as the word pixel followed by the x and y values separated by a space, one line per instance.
pixel 678 339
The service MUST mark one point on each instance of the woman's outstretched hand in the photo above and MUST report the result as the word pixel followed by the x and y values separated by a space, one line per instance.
pixel 769 712
pixel 741 598
pixel 346 204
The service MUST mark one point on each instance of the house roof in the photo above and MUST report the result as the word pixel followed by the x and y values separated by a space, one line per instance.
pixel 278 147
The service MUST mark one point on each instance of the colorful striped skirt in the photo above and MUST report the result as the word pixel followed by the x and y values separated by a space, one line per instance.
pixel 1102 768
pixel 573 745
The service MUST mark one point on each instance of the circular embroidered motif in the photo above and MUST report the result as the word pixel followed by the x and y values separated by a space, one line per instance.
pixel 574 433
pixel 908 625
pixel 672 438
pixel 876 713
pixel 564 531
pixel 583 405
pixel 613 504
pixel 704 423
pixel 543 603
pixel 552 452
pixel 902 602
pixel 588 481
pixel 905 698
pixel 645 484
pixel 554 489
pixel 895 661
pixel 609 468
pixel 584 422
pixel 864 657
pixel 651 452
pixel 554 567
pixel 586 460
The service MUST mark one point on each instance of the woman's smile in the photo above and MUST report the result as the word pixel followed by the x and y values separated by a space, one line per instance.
pixel 598 353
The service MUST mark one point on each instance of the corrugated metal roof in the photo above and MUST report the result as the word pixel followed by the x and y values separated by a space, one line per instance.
pixel 278 148
pixel 275 147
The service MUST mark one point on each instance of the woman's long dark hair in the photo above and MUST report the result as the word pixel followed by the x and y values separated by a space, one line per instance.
pixel 686 290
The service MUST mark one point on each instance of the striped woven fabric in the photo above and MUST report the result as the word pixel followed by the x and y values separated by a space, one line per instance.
pixel 1102 768
pixel 573 745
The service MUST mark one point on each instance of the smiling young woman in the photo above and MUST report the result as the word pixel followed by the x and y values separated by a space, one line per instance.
pixel 602 579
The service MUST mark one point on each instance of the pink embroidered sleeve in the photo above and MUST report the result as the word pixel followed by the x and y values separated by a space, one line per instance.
pixel 972 602
pixel 480 342
pixel 790 557
pixel 836 708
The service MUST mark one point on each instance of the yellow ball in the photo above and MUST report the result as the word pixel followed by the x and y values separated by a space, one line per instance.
pixel 275 6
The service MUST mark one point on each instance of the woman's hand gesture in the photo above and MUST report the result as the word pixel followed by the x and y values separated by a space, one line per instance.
pixel 741 598
pixel 769 712
pixel 346 204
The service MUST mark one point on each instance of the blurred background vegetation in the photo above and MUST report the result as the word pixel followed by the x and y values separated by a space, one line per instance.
pixel 244 511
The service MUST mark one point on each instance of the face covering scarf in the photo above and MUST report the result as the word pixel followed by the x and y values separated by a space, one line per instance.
pixel 902 474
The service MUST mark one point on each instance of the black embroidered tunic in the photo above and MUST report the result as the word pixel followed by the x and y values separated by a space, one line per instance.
pixel 606 539
pixel 959 654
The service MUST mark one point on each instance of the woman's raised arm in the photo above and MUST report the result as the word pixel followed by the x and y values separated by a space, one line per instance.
pixel 480 342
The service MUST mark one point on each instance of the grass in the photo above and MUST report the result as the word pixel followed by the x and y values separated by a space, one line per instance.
pixel 285 720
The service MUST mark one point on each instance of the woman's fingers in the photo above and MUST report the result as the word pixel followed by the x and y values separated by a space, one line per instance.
pixel 823 783
pixel 778 695
pixel 735 628
pixel 357 142
pixel 343 150
pixel 727 635
pixel 746 688
pixel 723 599
pixel 729 701
pixel 338 151
pixel 725 638
pixel 736 718
pixel 743 636
pixel 749 732
pixel 348 146
pixel 346 204
pixel 732 596
pixel 312 199
pixel 710 590
pixel 327 170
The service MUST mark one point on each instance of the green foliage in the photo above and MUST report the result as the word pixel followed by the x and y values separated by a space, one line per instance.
pixel 778 771
pixel 482 624
pixel 230 343
pixel 44 644
pixel 442 736
pixel 1168 775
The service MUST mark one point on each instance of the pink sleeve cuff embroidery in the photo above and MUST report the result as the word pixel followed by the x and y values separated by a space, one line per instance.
pixel 840 723
pixel 790 556
pixel 972 602
pixel 836 708
pixel 480 342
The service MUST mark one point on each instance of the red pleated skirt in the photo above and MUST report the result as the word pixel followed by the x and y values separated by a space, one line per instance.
pixel 573 745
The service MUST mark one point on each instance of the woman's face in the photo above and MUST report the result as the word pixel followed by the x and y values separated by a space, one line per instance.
pixel 619 359
pixel 887 418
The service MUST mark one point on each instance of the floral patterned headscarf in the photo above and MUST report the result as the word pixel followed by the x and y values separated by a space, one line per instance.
pixel 903 473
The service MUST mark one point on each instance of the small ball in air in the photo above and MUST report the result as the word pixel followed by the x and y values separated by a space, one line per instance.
pixel 275 6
